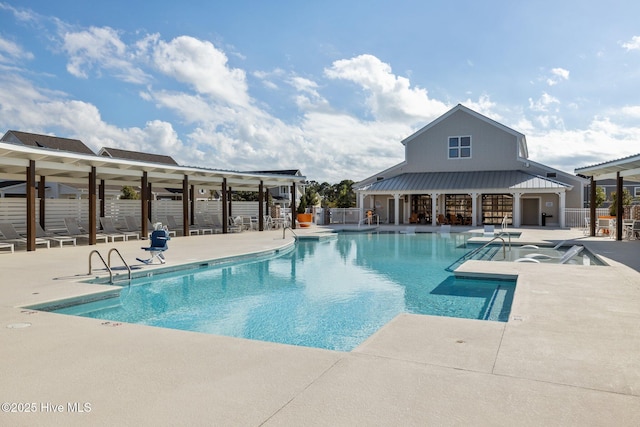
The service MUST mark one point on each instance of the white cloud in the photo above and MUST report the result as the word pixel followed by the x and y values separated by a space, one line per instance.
pixel 201 65
pixel 557 75
pixel 543 103
pixel 602 141
pixel 11 52
pixel 633 44
pixel 390 97
pixel 98 48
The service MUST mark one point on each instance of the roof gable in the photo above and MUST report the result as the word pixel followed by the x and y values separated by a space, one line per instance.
pixel 46 141
pixel 522 144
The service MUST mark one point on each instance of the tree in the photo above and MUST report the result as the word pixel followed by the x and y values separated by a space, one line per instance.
pixel 626 201
pixel 345 196
pixel 308 198
pixel 601 196
pixel 129 193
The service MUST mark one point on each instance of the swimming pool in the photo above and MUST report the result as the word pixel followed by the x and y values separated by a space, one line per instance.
pixel 329 294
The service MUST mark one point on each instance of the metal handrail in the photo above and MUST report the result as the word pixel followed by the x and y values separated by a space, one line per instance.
pixel 123 261
pixel 475 251
pixel 376 216
pixel 291 229
pixel 95 251
pixel 502 233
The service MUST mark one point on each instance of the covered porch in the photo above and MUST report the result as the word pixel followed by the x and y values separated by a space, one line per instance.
pixel 466 198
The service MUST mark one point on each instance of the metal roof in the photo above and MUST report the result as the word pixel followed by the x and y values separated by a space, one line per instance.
pixel 65 166
pixel 464 181
pixel 628 167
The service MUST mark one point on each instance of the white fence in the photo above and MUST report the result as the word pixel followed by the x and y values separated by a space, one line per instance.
pixel 338 215
pixel 577 217
pixel 14 210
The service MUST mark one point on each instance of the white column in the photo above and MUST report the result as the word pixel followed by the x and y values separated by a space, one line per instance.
pixel 516 209
pixel 396 208
pixel 434 209
pixel 474 209
pixel 361 204
pixel 562 207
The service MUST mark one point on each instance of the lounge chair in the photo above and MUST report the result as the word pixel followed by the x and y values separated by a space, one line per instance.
pixel 11 236
pixel 42 234
pixel 201 225
pixel 74 231
pixel 173 225
pixel 572 252
pixel 110 229
pixel 9 246
pixel 538 247
pixel 408 230
pixel 489 230
pixel 235 225
pixel 157 247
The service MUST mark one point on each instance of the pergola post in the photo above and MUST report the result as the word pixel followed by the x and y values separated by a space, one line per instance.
pixel 592 208
pixel 92 204
pixel 192 197
pixel 185 206
pixel 31 206
pixel 144 204
pixel 293 206
pixel 225 215
pixel 619 205
pixel 261 206
pixel 41 196
pixel 101 197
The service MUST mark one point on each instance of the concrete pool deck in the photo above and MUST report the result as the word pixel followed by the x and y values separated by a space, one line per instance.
pixel 569 354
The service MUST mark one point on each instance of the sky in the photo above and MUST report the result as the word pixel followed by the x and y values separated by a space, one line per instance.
pixel 330 88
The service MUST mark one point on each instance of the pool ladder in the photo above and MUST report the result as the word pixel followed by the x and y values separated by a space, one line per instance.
pixel 108 263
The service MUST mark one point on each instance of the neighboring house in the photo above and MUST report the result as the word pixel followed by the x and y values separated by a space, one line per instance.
pixel 46 141
pixel 468 169
pixel 157 193
pixel 282 195
pixel 117 153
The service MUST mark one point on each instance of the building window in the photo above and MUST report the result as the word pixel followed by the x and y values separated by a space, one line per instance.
pixel 636 191
pixel 459 147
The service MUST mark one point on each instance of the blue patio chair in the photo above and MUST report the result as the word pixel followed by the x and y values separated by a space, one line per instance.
pixel 157 247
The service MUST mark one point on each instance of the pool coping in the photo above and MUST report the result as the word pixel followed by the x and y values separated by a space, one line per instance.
pixel 573 366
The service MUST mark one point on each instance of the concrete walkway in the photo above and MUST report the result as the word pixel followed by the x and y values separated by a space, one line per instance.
pixel 569 354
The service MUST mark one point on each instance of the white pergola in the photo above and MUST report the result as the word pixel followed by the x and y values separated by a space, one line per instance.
pixel 626 168
pixel 25 163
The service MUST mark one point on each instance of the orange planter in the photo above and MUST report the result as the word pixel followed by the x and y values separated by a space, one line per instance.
pixel 305 219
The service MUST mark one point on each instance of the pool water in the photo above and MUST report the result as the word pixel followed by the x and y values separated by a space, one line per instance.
pixel 332 294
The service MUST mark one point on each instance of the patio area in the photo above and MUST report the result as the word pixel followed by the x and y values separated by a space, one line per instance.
pixel 567 356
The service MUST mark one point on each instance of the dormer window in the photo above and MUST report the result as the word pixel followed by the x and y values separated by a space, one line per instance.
pixel 460 147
